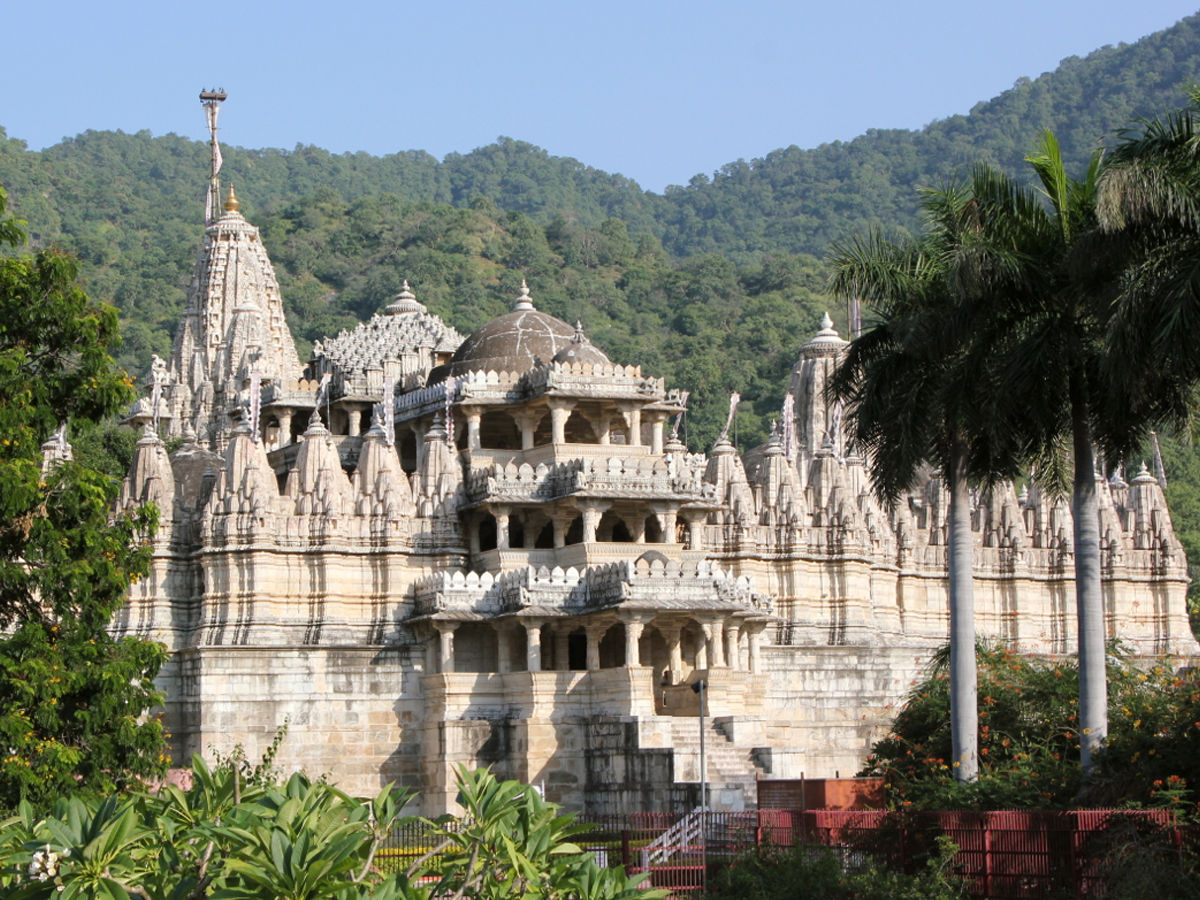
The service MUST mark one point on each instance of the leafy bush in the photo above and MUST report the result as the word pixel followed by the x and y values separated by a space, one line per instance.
pixel 774 873
pixel 1029 738
pixel 237 838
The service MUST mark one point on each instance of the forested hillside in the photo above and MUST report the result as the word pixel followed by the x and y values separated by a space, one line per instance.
pixel 798 200
pixel 713 285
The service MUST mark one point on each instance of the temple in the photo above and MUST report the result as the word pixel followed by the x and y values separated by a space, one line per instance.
pixel 420 550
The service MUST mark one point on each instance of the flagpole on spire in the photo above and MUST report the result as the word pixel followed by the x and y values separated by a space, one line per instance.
pixel 211 101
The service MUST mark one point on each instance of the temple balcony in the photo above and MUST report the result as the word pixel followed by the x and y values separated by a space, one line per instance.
pixel 589 553
pixel 554 454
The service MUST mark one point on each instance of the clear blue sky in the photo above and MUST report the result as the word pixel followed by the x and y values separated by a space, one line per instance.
pixel 658 91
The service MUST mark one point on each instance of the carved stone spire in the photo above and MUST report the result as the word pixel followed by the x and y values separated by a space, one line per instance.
pixel 233 320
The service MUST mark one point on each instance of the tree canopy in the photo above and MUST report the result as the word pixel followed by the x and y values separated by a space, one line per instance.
pixel 72 699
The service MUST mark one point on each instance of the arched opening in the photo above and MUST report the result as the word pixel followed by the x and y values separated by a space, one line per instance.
pixel 545 538
pixel 271 432
pixel 339 422
pixel 542 433
pixel 618 431
pixel 364 421
pixel 575 531
pixel 498 431
pixel 407 447
pixel 612 647
pixel 487 532
pixel 613 528
pixel 655 653
pixel 579 430
pixel 516 532
pixel 654 532
pixel 577 650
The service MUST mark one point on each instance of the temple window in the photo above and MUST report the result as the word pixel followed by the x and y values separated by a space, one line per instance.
pixel 654 532
pixel 577 650
pixel 487 532
pixel 338 421
pixel 575 531
pixel 498 431
pixel 613 528
pixel 542 433
pixel 579 430
pixel 612 647
pixel 407 445
pixel 516 532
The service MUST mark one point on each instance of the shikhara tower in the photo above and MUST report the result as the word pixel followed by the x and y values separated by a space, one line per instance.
pixel 423 551
pixel 233 324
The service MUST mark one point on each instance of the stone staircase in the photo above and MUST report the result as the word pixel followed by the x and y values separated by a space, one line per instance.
pixel 731 763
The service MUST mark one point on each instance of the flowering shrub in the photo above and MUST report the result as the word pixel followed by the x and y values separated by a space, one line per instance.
pixel 1029 738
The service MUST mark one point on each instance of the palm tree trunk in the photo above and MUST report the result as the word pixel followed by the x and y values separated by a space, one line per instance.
pixel 964 711
pixel 1089 601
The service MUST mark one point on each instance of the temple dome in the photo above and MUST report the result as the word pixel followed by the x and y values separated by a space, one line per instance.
pixel 581 351
pixel 514 342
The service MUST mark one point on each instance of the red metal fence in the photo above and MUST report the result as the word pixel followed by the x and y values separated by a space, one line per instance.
pixel 1011 853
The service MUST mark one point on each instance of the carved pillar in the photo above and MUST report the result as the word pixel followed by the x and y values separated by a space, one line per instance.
pixel 754 635
pixel 656 436
pixel 715 633
pixel 732 645
pixel 702 648
pixel 633 423
pixel 285 428
pixel 446 650
pixel 503 648
pixel 591 518
pixel 501 513
pixel 533 644
pixel 639 530
pixel 560 411
pixel 353 421
pixel 473 534
pixel 527 420
pixel 561 524
pixel 604 429
pixel 562 648
pixel 594 634
pixel 633 634
pixel 670 634
pixel 473 418
pixel 695 532
pixel 667 519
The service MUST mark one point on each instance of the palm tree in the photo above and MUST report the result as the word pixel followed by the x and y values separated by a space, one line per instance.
pixel 1006 304
pixel 1054 274
pixel 1149 197
pixel 915 394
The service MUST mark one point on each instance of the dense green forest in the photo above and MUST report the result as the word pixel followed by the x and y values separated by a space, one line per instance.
pixel 713 285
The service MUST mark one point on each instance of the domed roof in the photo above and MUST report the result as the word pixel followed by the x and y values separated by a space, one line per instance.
pixel 513 342
pixel 581 351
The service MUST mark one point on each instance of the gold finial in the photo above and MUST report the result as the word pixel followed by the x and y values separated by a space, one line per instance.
pixel 231 204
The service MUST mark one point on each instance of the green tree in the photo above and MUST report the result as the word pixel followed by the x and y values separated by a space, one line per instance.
pixel 1051 276
pixel 72 699
pixel 1030 738
pixel 917 393
pixel 1149 198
